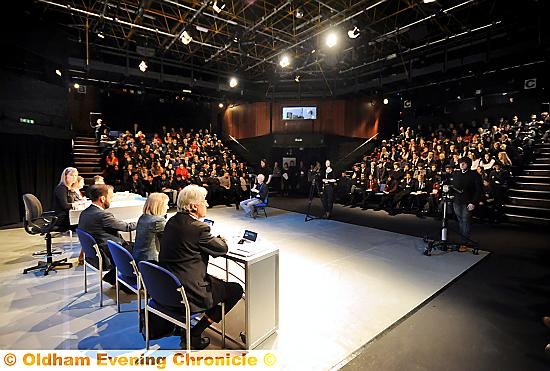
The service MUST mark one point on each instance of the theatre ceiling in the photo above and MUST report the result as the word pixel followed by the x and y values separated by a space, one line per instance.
pixel 281 49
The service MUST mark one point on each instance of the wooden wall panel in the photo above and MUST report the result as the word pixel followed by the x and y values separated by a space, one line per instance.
pixel 351 118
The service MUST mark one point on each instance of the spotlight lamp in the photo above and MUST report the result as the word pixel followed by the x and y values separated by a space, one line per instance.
pixel 76 85
pixel 386 101
pixel 299 13
pixel 233 82
pixel 58 72
pixel 353 33
pixel 218 7
pixel 297 78
pixel 331 39
pixel 100 35
pixel 285 61
pixel 143 66
pixel 220 105
pixel 186 38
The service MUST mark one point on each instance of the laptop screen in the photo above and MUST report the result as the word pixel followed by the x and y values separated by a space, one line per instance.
pixel 249 235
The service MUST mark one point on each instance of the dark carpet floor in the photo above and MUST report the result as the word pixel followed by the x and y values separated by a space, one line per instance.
pixel 487 319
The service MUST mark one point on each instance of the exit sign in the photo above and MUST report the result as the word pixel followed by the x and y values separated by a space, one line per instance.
pixel 24 120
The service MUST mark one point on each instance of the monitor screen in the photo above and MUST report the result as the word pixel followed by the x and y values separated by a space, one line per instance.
pixel 300 113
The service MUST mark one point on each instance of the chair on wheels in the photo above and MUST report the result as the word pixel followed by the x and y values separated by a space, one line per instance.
pixel 91 251
pixel 39 222
pixel 127 272
pixel 166 291
pixel 261 207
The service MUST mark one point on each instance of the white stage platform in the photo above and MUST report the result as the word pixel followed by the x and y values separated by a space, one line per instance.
pixel 341 285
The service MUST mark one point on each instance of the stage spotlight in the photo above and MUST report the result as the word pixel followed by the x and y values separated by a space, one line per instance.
pixel 76 85
pixel 297 78
pixel 331 39
pixel 143 66
pixel 186 38
pixel 218 8
pixel 386 101
pixel 353 33
pixel 299 13
pixel 58 72
pixel 220 105
pixel 100 35
pixel 285 61
pixel 233 82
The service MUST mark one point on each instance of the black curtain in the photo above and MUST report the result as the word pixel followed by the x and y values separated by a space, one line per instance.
pixel 30 164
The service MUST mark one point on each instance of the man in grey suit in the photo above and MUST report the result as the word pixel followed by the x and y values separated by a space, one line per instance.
pixel 103 226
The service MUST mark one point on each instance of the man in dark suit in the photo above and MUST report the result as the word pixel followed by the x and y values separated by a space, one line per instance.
pixel 468 190
pixel 185 248
pixel 103 226
pixel 328 180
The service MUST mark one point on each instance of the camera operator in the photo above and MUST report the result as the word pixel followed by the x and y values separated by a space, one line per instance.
pixel 468 190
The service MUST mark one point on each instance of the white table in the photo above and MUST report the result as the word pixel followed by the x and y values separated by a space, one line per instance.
pixel 124 206
pixel 256 317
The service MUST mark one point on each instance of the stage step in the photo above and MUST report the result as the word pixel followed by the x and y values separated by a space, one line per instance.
pixel 539 172
pixel 541 160
pixel 538 166
pixel 90 140
pixel 529 201
pixel 522 219
pixel 537 212
pixel 529 193
pixel 531 186
pixel 532 179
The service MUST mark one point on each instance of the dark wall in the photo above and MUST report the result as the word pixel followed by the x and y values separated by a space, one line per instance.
pixel 121 108
pixel 30 164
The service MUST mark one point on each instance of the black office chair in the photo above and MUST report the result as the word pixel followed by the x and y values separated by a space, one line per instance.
pixel 39 222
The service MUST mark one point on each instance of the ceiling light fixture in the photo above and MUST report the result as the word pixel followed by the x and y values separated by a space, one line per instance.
pixel 285 61
pixel 100 35
pixel 218 8
pixel 233 82
pixel 76 85
pixel 299 13
pixel 331 40
pixel 220 105
pixel 186 38
pixel 143 66
pixel 201 29
pixel 386 101
pixel 58 72
pixel 297 78
pixel 353 33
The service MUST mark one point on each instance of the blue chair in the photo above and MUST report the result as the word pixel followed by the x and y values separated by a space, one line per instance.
pixel 91 250
pixel 126 272
pixel 166 291
pixel 261 206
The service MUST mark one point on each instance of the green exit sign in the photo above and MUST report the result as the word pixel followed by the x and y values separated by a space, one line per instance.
pixel 25 120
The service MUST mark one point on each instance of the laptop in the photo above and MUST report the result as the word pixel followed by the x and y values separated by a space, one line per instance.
pixel 248 236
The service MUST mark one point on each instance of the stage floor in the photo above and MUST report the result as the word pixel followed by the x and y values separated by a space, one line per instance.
pixel 341 285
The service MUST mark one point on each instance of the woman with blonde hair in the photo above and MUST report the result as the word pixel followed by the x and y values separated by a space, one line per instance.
pixel 504 160
pixel 64 197
pixel 149 228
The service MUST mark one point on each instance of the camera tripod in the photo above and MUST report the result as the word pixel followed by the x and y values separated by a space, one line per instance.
pixel 313 189
pixel 443 244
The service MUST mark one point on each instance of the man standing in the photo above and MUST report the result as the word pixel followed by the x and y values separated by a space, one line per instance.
pixel 468 190
pixel 103 226
pixel 328 191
